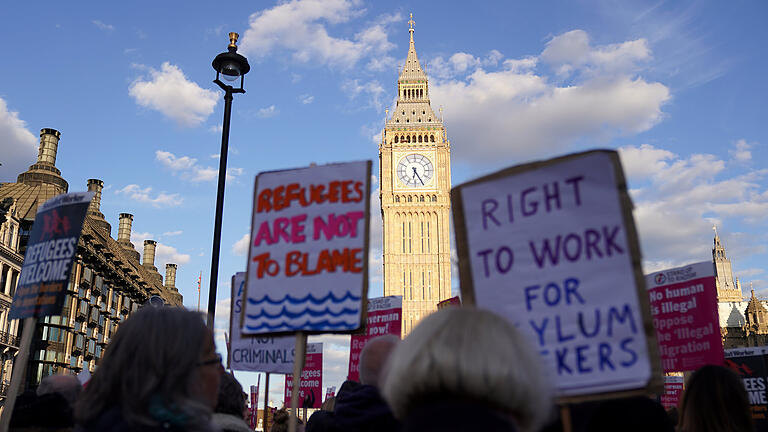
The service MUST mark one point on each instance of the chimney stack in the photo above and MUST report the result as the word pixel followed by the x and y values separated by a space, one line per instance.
pixel 94 209
pixel 124 230
pixel 170 276
pixel 149 254
pixel 49 145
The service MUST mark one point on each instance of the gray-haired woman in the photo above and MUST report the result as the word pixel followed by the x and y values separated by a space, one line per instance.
pixel 160 372
pixel 466 369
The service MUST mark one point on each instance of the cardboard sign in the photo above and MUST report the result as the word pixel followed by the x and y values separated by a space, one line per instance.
pixel 451 302
pixel 330 392
pixel 385 316
pixel 684 310
pixel 255 353
pixel 310 395
pixel 51 250
pixel 750 365
pixel 673 388
pixel 308 259
pixel 552 247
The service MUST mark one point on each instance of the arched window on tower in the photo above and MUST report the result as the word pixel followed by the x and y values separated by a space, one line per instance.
pixel 409 198
pixel 396 138
pixel 434 198
pixel 431 138
pixel 397 198
pixel 409 138
pixel 421 198
pixel 419 138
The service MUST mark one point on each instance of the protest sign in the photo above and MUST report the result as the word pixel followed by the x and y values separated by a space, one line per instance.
pixel 255 353
pixel 750 364
pixel 310 395
pixel 552 247
pixel 254 408
pixel 51 250
pixel 308 256
pixel 673 388
pixel 684 309
pixel 330 392
pixel 384 317
pixel 451 302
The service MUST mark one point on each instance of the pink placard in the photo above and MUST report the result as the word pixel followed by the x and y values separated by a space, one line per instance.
pixel 311 393
pixel 684 310
pixel 384 317
pixel 673 388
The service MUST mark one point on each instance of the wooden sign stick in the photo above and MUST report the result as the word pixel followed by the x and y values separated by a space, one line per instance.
pixel 298 364
pixel 266 403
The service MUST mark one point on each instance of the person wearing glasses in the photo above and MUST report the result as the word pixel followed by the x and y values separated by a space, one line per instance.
pixel 160 372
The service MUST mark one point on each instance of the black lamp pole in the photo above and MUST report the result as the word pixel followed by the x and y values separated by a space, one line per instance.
pixel 230 65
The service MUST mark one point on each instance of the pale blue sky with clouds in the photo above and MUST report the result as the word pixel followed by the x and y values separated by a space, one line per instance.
pixel 678 87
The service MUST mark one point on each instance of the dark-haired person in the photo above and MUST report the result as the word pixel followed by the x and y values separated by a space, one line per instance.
pixel 280 424
pixel 160 372
pixel 715 400
pixel 228 415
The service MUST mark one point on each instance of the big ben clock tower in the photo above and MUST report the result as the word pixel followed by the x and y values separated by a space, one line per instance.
pixel 415 173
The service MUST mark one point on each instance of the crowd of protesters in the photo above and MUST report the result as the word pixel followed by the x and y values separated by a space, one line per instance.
pixel 460 369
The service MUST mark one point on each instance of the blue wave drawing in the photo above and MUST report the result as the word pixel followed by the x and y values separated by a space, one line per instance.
pixel 321 325
pixel 292 315
pixel 308 298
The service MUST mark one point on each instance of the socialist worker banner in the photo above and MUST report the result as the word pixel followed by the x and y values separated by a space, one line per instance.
pixel 51 251
pixel 384 317
pixel 750 364
pixel 311 385
pixel 684 310
pixel 673 388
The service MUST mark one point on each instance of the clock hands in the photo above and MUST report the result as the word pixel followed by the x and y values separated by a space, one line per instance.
pixel 416 174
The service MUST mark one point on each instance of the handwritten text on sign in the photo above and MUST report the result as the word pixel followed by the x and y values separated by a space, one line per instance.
pixel 256 354
pixel 311 385
pixel 308 255
pixel 384 318
pixel 548 249
pixel 684 309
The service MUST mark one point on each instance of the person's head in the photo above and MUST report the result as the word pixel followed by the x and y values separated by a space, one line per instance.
pixel 329 404
pixel 714 400
pixel 161 366
pixel 374 357
pixel 281 419
pixel 66 385
pixel 632 414
pixel 467 354
pixel 231 397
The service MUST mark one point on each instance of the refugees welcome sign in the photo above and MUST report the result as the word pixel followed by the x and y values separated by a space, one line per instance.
pixel 552 247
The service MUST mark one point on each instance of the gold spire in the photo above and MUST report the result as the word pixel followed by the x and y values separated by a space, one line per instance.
pixel 233 39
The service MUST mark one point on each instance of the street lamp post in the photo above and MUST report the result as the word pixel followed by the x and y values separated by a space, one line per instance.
pixel 228 65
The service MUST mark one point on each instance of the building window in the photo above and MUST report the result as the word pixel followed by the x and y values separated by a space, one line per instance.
pixel 397 198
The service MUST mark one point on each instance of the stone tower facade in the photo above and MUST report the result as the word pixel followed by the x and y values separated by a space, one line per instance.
pixel 415 173
pixel 728 288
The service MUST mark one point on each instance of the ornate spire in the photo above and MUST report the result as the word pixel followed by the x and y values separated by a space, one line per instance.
pixel 412 70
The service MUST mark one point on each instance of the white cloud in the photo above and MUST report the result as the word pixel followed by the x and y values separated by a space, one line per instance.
pixel 373 90
pixel 267 112
pixel 517 112
pixel 188 169
pixel 306 99
pixel 136 193
pixel 740 152
pixel 300 27
pixel 241 246
pixel 165 254
pixel 103 26
pixel 172 233
pixel 19 144
pixel 678 200
pixel 170 92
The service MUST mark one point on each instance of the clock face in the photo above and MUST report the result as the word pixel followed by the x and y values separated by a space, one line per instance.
pixel 415 170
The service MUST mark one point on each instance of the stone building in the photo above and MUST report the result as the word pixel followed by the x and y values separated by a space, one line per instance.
pixel 415 173
pixel 10 267
pixel 108 281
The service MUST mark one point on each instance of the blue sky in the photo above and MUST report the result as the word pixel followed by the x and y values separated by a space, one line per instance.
pixel 677 87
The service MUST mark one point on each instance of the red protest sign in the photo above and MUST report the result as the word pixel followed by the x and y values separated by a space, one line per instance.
pixel 384 317
pixel 684 310
pixel 310 395
pixel 673 388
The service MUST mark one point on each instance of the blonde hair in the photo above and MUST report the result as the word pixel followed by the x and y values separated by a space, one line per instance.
pixel 466 353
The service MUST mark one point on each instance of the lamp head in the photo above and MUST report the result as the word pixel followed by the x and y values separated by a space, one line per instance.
pixel 230 65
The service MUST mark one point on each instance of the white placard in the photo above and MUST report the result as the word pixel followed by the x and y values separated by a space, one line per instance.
pixel 272 354
pixel 308 259
pixel 547 248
